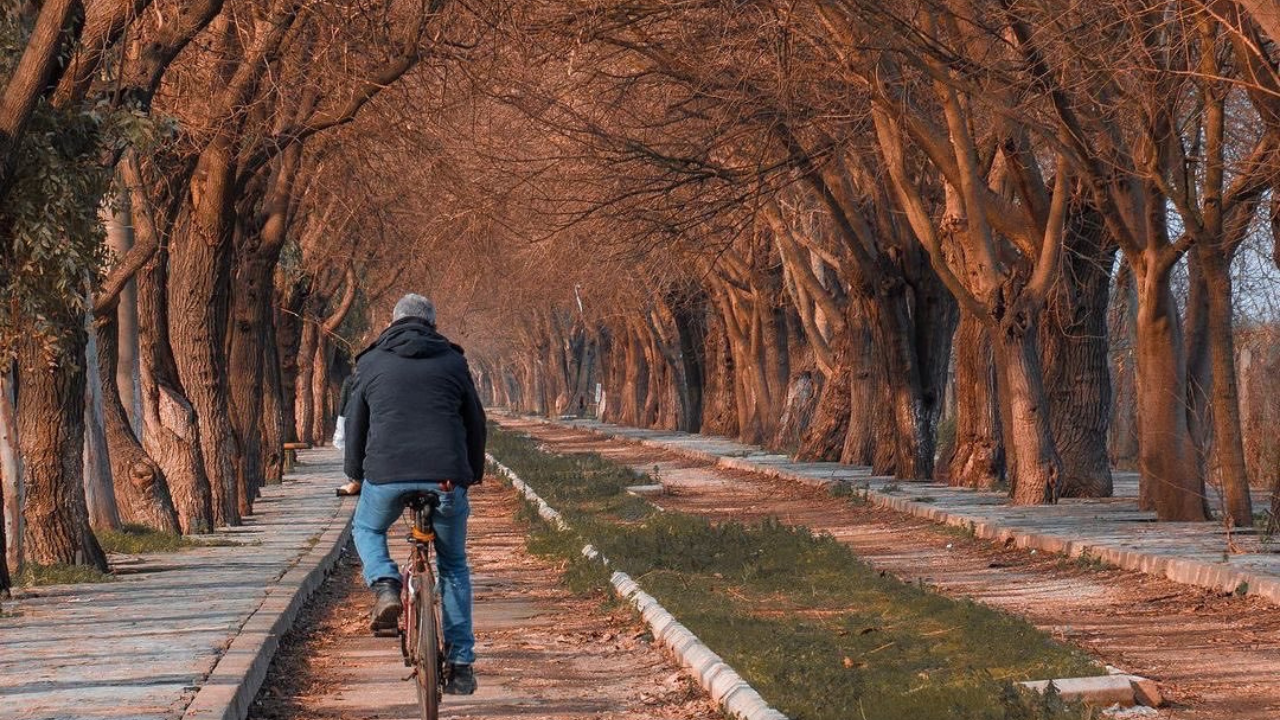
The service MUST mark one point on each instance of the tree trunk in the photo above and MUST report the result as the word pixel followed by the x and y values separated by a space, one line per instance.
pixel 274 422
pixel 1030 437
pixel 1228 445
pixel 128 379
pixel 651 415
pixel 1171 479
pixel 250 315
pixel 865 392
pixel 1123 435
pixel 720 417
pixel 5 582
pixel 11 473
pixel 320 392
pixel 290 331
pixel 913 433
pixel 304 408
pixel 976 456
pixel 141 491
pixel 199 305
pixel 691 330
pixel 1199 382
pixel 170 436
pixel 823 440
pixel 51 439
pixel 1074 354
pixel 99 492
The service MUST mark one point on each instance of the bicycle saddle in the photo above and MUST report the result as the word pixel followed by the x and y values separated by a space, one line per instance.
pixel 420 499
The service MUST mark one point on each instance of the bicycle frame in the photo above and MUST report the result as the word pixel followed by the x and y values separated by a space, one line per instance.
pixel 421 536
pixel 418 584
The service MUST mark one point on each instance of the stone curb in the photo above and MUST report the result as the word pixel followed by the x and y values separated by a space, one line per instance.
pixel 1118 688
pixel 229 690
pixel 726 687
pixel 1184 571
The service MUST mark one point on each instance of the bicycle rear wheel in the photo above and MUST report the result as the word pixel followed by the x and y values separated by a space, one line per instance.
pixel 428 647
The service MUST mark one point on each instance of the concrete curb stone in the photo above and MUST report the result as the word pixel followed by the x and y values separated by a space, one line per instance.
pixel 229 690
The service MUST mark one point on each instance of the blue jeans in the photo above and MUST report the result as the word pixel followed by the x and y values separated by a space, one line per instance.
pixel 379 508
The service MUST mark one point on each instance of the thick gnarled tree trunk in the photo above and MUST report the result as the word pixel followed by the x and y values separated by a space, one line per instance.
pixel 199 294
pixel 50 407
pixel 1037 468
pixel 141 491
pixel 1074 354
pixel 975 458
pixel 171 435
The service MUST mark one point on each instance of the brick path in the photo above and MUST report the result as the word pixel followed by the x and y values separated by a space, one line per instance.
pixel 140 647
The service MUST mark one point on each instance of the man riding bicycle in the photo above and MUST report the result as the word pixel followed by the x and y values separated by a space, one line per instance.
pixel 414 422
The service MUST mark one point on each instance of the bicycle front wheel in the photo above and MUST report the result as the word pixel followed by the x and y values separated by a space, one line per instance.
pixel 428 648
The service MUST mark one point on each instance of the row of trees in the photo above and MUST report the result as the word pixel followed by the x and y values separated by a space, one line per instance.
pixel 177 250
pixel 821 225
pixel 984 240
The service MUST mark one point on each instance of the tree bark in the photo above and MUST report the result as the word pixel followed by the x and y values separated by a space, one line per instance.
pixel 720 417
pixel 1123 435
pixel 119 225
pixel 5 582
pixel 304 409
pixel 911 414
pixel 823 440
pixel 11 472
pixel 320 367
pixel 976 456
pixel 141 490
pixel 1074 353
pixel 274 423
pixel 250 315
pixel 865 393
pixel 1199 380
pixel 1038 473
pixel 50 408
pixel 99 491
pixel 1228 445
pixel 171 435
pixel 1172 482
pixel 199 295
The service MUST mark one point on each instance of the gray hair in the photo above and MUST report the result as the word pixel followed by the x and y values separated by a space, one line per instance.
pixel 414 305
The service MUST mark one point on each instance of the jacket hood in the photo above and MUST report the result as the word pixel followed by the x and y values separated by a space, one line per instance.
pixel 413 338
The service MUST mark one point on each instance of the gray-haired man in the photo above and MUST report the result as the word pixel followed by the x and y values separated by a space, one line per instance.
pixel 414 423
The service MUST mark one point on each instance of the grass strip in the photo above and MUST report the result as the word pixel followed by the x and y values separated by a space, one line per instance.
pixel 132 539
pixel 817 631
pixel 33 575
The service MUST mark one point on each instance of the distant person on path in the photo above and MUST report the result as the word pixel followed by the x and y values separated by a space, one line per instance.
pixel 414 423
pixel 340 431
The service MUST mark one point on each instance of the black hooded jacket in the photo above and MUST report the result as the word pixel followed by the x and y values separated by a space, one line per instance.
pixel 413 413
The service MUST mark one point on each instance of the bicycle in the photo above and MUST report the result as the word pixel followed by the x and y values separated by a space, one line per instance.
pixel 419 629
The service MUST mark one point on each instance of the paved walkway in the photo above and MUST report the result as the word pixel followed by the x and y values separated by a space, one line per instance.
pixel 140 647
pixel 1113 529
pixel 541 651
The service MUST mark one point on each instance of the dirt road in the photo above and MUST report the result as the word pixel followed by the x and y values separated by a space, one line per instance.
pixel 1217 658
pixel 542 653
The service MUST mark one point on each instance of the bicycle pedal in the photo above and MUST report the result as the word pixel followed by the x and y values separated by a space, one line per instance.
pixel 387 632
